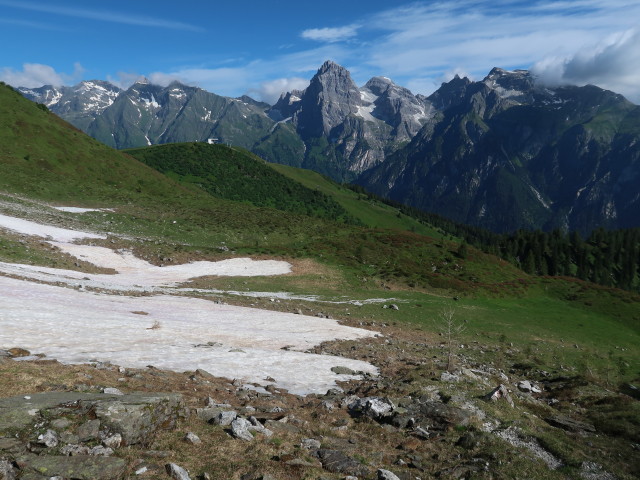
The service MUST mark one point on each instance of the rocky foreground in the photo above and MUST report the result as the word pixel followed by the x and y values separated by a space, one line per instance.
pixel 416 421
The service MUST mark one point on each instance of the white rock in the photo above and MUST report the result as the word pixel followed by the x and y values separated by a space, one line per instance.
pixel 240 429
pixel 386 475
pixel 48 439
pixel 192 438
pixel 176 472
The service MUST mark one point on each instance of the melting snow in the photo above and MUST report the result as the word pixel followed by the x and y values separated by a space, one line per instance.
pixel 78 327
pixel 235 342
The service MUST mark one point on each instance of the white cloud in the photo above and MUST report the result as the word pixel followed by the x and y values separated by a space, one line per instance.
pixel 422 40
pixel 35 75
pixel 330 35
pixel 613 64
pixel 270 91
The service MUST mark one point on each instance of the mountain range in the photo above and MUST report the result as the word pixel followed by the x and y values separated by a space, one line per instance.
pixel 503 153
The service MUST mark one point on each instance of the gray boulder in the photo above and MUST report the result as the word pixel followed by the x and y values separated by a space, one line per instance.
pixel 177 472
pixel 240 428
pixel 386 475
pixel 336 461
pixel 377 408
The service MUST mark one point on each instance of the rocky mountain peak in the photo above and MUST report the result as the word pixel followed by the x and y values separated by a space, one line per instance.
pixel 379 85
pixel 515 84
pixel 450 93
pixel 331 96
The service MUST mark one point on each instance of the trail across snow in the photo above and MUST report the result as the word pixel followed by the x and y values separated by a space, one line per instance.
pixel 234 342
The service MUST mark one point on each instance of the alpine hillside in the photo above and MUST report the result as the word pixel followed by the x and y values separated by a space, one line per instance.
pixel 504 153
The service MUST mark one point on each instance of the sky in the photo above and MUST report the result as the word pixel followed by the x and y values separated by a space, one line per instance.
pixel 263 48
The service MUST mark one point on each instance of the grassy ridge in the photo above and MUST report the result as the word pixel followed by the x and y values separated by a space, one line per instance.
pixel 236 174
pixel 369 211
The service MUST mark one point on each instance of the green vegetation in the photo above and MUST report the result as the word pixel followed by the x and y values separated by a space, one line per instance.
pixel 236 174
pixel 531 325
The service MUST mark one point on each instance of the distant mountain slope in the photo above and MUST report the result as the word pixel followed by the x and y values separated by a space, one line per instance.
pixel 78 105
pixel 507 154
pixel 147 114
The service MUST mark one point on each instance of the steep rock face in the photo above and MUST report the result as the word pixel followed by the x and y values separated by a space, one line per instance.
pixel 347 130
pixel 505 154
pixel 328 100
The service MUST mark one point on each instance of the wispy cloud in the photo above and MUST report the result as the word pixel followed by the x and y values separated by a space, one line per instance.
pixel 100 15
pixel 30 24
pixel 36 74
pixel 330 35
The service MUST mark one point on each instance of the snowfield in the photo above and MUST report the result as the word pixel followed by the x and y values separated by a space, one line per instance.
pixel 166 331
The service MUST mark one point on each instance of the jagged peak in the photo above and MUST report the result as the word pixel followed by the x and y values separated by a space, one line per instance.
pixel 330 66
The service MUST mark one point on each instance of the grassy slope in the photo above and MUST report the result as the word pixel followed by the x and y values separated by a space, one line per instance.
pixel 235 174
pixel 370 213
pixel 57 163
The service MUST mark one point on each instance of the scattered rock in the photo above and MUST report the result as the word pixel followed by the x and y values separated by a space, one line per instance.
pixel 594 471
pixel 336 461
pixel 343 370
pixel 101 451
pixel 373 407
pixel 500 392
pixel 240 428
pixel 440 416
pixel 386 475
pixel 113 441
pixel 569 424
pixel 49 439
pixel 310 444
pixel 225 418
pixel 177 472
pixel 60 423
pixel 7 472
pixel 73 450
pixel 528 387
pixel 449 377
pixel 135 416
pixel 192 438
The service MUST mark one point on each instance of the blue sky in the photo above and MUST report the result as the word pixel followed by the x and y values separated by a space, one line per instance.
pixel 265 47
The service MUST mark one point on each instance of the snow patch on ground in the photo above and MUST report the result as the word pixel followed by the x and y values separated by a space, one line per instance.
pixel 78 327
pixel 170 332
pixel 82 210
pixel 57 234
